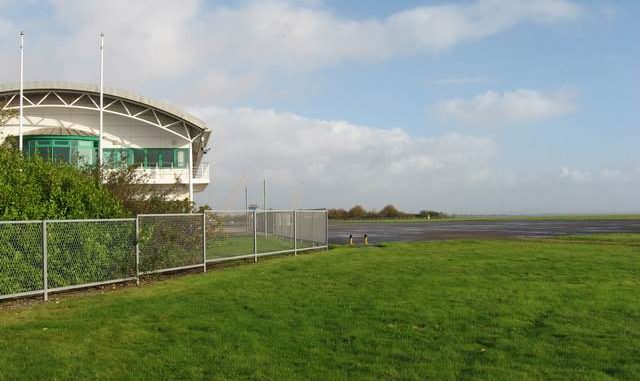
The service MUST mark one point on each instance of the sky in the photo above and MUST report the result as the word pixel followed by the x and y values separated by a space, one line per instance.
pixel 468 107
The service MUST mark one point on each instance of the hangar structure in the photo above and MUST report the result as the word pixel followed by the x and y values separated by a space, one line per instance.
pixel 61 123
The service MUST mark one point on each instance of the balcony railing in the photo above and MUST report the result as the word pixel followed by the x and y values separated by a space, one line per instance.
pixel 201 171
pixel 158 175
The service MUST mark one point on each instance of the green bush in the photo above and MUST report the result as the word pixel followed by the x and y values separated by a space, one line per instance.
pixel 88 252
pixel 20 258
pixel 78 253
pixel 84 252
pixel 168 242
pixel 34 189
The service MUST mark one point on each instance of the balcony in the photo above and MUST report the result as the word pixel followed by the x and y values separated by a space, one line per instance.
pixel 159 175
pixel 201 173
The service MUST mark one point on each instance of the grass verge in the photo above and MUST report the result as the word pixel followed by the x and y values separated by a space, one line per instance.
pixel 491 310
pixel 234 245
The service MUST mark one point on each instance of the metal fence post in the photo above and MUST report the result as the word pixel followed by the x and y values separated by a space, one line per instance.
pixel 265 223
pixel 204 241
pixel 45 259
pixel 326 237
pixel 295 232
pixel 137 250
pixel 255 236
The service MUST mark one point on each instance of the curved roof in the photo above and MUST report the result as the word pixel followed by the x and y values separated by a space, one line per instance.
pixel 108 91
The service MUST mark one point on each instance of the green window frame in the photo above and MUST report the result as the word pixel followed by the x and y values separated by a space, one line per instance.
pixel 146 157
pixel 82 151
pixel 73 150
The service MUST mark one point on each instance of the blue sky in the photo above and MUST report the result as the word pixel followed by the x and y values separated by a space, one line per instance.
pixel 487 106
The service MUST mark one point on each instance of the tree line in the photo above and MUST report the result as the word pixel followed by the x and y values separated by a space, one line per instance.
pixel 358 212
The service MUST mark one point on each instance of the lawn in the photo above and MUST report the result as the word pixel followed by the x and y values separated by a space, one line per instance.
pixel 229 245
pixel 567 309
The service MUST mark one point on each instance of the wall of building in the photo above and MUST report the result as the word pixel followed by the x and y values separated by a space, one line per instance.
pixel 119 132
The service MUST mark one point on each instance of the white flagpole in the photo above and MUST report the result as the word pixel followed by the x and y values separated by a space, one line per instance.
pixel 101 98
pixel 21 86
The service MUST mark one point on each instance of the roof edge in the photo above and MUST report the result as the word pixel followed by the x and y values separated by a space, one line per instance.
pixel 111 91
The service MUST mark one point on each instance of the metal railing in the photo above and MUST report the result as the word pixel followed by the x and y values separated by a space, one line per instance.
pixel 43 257
pixel 201 171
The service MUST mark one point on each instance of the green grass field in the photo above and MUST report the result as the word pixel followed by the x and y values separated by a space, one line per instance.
pixel 235 245
pixel 567 309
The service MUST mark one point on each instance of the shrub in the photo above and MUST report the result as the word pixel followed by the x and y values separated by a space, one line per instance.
pixel 34 189
pixel 131 188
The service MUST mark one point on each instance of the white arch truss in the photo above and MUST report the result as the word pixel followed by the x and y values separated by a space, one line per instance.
pixel 85 100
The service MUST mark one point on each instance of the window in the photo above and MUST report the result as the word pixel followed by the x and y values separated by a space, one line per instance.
pixel 85 153
pixel 44 152
pixel 61 154
pixel 138 158
pixel 181 157
pixel 146 157
pixel 123 159
pixel 153 158
pixel 73 150
pixel 166 158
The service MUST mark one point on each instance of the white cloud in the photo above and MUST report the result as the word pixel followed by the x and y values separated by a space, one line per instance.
pixel 280 33
pixel 175 50
pixel 511 106
pixel 576 175
pixel 324 163
pixel 186 41
pixel 604 175
pixel 218 87
pixel 144 40
pixel 339 163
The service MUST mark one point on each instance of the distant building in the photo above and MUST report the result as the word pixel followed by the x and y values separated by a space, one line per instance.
pixel 61 122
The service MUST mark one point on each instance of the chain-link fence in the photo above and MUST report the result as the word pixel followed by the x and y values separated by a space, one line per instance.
pixel 230 235
pixel 275 232
pixel 169 242
pixel 85 252
pixel 21 260
pixel 312 229
pixel 39 257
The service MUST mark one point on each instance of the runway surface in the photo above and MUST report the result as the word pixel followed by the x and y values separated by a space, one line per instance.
pixel 433 230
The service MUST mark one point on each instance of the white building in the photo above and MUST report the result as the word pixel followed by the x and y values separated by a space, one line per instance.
pixel 61 122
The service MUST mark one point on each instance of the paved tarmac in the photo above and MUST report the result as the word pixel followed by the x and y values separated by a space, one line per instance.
pixel 434 230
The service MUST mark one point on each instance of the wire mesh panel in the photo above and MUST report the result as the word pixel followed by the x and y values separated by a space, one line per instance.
pixel 170 241
pixel 262 224
pixel 82 252
pixel 229 234
pixel 21 261
pixel 311 226
pixel 278 236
